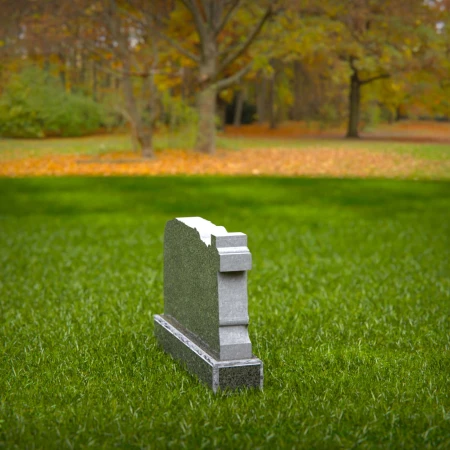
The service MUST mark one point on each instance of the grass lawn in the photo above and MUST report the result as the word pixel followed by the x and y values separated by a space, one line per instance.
pixel 349 304
pixel 110 143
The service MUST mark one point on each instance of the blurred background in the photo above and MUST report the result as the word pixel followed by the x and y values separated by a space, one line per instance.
pixel 182 70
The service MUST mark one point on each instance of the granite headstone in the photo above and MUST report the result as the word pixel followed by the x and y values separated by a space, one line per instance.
pixel 205 320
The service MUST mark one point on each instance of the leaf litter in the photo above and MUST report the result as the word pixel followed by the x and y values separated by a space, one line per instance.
pixel 315 161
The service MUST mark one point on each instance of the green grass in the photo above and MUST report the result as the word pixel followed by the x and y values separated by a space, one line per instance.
pixel 91 145
pixel 94 145
pixel 349 304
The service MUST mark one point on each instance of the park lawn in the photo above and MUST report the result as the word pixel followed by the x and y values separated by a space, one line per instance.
pixel 119 143
pixel 111 155
pixel 349 305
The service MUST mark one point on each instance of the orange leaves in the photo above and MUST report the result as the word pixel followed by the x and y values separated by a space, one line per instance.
pixel 315 161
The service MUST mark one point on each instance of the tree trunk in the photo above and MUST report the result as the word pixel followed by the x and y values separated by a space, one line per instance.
pixel 62 70
pixel 108 81
pixel 72 71
pixel 207 99
pixel 261 99
pixel 271 104
pixel 82 68
pixel 298 106
pixel 206 135
pixel 209 19
pixel 239 106
pixel 140 134
pixel 145 139
pixel 94 80
pixel 222 113
pixel 354 106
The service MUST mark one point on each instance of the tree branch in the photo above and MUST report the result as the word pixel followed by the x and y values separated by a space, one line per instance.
pixel 144 74
pixel 188 4
pixel 152 18
pixel 227 82
pixel 177 46
pixel 351 61
pixel 193 8
pixel 204 10
pixel 229 14
pixel 376 77
pixel 241 49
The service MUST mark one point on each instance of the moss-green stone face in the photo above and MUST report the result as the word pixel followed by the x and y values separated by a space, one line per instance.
pixel 190 283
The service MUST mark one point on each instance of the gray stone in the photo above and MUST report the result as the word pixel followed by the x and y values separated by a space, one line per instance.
pixel 216 374
pixel 205 320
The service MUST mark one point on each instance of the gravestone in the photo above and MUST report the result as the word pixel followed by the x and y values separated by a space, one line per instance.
pixel 205 320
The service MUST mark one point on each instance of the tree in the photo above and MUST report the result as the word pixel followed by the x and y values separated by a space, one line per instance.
pixel 146 56
pixel 119 35
pixel 377 39
pixel 219 47
pixel 354 98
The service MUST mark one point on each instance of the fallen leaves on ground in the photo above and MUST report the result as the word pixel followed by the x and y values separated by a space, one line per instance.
pixel 408 131
pixel 315 161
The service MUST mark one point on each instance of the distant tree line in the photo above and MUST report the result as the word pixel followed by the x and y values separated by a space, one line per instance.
pixel 69 67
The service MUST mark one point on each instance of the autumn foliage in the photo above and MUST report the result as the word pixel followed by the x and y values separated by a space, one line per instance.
pixel 348 64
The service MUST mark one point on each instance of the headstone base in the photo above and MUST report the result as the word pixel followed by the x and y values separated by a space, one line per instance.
pixel 216 374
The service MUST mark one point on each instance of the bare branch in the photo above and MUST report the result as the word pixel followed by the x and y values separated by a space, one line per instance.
pixel 227 17
pixel 177 46
pixel 376 77
pixel 242 48
pixel 154 19
pixel 193 8
pixel 205 10
pixel 227 82
pixel 122 73
pixel 188 4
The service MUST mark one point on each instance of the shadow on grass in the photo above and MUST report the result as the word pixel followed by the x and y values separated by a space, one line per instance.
pixel 212 196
